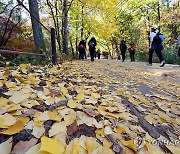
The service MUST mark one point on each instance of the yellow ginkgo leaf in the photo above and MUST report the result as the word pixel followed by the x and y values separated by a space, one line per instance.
pixel 19 97
pixel 16 128
pixel 15 108
pixel 69 119
pixel 25 120
pixel 72 104
pixel 91 144
pixel 129 144
pixel 49 100
pixel 77 148
pixel 143 99
pixel 89 106
pixel 107 147
pixel 82 140
pixel 64 91
pixel 8 120
pixel 11 84
pixel 38 131
pixel 19 77
pixel 52 146
pixel 112 115
pixel 54 115
pixel 85 118
pixel 100 132
pixel 173 149
pixel 57 128
pixel 69 148
pixel 121 129
pixel 95 95
pixel 24 66
pixel 80 96
pixel 119 91
pixel 3 101
pixel 152 149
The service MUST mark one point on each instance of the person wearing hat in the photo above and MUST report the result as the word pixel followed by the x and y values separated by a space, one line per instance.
pixel 123 48
pixel 154 46
pixel 178 47
pixel 92 47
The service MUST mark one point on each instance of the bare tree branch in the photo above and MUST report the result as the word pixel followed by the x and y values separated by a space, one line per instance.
pixel 5 8
pixel 6 27
pixel 70 5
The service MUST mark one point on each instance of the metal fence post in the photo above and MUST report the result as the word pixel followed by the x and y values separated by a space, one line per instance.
pixel 53 46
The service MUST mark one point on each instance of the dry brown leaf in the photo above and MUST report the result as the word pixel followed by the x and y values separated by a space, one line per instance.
pixel 23 146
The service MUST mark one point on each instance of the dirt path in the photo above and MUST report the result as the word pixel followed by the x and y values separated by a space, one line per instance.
pixel 131 105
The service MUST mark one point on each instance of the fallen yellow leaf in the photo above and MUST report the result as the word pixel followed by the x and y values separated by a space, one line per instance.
pixel 91 144
pixel 14 108
pixel 80 96
pixel 11 84
pixel 64 91
pixel 7 120
pixel 77 148
pixel 69 119
pixel 16 128
pixel 18 76
pixel 121 129
pixel 3 101
pixel 173 149
pixel 19 97
pixel 95 95
pixel 52 146
pixel 129 144
pixel 57 128
pixel 72 104
pixel 152 149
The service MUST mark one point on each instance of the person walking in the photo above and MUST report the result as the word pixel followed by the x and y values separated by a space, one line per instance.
pixel 98 53
pixel 132 50
pixel 123 49
pixel 82 49
pixel 92 47
pixel 178 47
pixel 156 39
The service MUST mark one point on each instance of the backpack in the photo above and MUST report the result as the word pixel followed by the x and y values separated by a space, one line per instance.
pixel 132 48
pixel 80 47
pixel 159 38
pixel 91 44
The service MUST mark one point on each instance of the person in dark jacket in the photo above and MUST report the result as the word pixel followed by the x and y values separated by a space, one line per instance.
pixel 98 53
pixel 123 49
pixel 154 46
pixel 82 49
pixel 178 47
pixel 92 47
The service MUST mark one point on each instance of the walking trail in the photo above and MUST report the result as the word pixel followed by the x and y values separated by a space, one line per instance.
pixel 104 106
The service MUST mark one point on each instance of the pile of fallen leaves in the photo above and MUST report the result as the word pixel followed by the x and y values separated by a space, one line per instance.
pixel 79 107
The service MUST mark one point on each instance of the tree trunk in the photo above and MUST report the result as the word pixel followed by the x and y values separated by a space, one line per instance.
pixel 55 20
pixel 82 22
pixel 65 27
pixel 37 30
pixel 159 14
pixel 58 27
pixel 72 49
